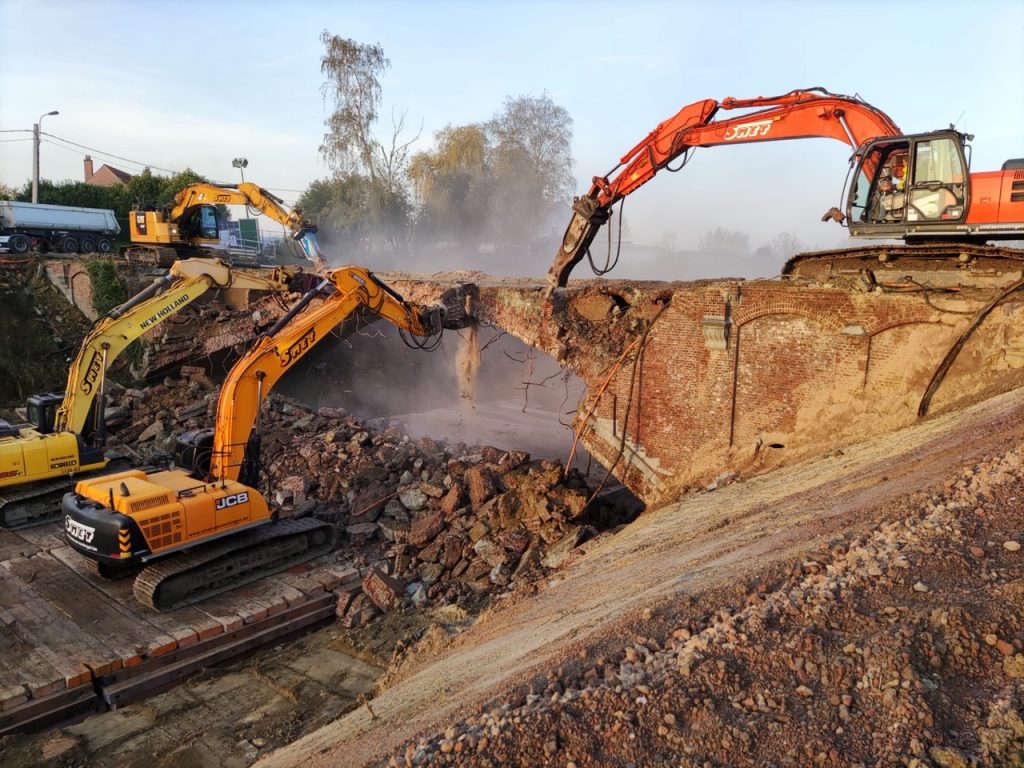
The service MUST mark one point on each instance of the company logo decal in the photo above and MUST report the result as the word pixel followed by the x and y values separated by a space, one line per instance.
pixel 748 130
pixel 296 350
pixel 232 501
pixel 83 533
pixel 92 372
pixel 160 314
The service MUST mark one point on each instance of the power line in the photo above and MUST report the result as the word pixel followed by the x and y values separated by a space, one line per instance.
pixel 16 130
pixel 109 154
pixel 69 149
pixel 8 141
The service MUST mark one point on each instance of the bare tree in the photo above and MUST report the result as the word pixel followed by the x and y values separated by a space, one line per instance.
pixel 354 92
pixel 350 147
pixel 786 244
pixel 531 163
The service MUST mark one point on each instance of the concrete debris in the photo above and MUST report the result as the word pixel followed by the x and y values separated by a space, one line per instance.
pixel 459 521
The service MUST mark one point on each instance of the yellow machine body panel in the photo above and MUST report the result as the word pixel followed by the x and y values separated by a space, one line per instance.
pixel 33 456
pixel 152 227
pixel 174 510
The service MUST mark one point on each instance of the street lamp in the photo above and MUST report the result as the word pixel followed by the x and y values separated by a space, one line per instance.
pixel 35 156
pixel 241 164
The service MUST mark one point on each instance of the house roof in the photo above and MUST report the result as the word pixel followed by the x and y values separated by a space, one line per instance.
pixel 123 176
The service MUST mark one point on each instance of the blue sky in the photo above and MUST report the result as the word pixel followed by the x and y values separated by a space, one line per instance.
pixel 175 84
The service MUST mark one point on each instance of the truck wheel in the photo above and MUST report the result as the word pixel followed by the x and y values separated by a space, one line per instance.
pixel 19 244
pixel 103 245
pixel 69 245
pixel 88 245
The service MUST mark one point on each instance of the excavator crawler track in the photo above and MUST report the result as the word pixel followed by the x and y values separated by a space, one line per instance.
pixel 36 504
pixel 965 263
pixel 39 502
pixel 218 567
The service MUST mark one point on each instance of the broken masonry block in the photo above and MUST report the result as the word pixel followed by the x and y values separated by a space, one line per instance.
pixel 385 592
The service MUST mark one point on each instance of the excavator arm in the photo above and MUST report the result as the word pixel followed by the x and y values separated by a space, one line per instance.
pixel 253 196
pixel 235 453
pixel 796 115
pixel 185 282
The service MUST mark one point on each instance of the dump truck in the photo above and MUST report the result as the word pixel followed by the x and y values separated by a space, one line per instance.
pixel 59 228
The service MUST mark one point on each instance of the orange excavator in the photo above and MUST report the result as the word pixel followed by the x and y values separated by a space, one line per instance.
pixel 930 201
pixel 207 512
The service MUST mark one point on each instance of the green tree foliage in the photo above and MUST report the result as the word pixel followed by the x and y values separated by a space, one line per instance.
pixel 452 185
pixel 500 181
pixel 173 185
pixel 107 289
pixel 354 92
pixel 77 193
pixel 144 188
pixel 341 209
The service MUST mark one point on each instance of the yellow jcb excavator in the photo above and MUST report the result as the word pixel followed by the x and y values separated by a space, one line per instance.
pixel 190 226
pixel 66 432
pixel 130 522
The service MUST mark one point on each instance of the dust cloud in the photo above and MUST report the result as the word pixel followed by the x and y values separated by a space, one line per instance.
pixel 478 387
pixel 467 361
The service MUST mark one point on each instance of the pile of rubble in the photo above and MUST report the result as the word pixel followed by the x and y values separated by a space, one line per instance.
pixel 424 523
pixel 902 646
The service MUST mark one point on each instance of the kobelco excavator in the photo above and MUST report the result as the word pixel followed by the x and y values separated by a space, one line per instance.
pixel 66 433
pixel 939 209
pixel 190 227
pixel 132 522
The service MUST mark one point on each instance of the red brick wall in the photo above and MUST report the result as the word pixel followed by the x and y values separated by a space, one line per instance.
pixel 806 370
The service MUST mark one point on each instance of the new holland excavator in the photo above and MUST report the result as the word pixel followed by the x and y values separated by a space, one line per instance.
pixel 940 210
pixel 66 433
pixel 132 522
pixel 190 228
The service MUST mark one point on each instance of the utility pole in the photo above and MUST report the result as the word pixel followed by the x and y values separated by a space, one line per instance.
pixel 35 156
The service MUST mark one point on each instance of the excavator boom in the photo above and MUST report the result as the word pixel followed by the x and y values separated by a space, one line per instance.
pixel 67 434
pixel 129 520
pixel 253 196
pixel 190 226
pixel 274 354
pixel 185 282
pixel 944 204
pixel 795 115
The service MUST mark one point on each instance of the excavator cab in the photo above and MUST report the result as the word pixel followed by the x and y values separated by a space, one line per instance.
pixel 199 225
pixel 193 452
pixel 41 411
pixel 907 185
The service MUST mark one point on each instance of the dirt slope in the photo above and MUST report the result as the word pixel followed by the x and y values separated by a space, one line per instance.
pixel 708 547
